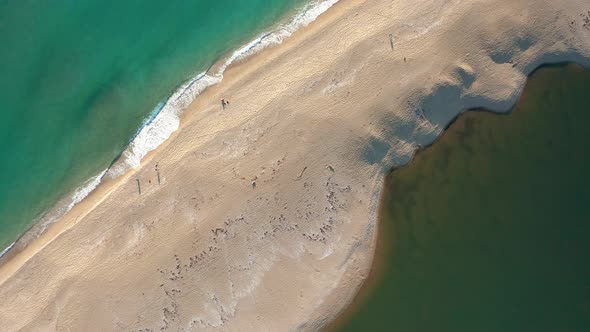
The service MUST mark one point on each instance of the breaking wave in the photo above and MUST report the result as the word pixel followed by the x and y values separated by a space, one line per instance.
pixel 165 119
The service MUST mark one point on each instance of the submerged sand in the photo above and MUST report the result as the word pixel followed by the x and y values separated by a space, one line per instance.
pixel 265 214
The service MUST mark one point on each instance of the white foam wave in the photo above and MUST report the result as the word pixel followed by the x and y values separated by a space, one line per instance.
pixel 60 209
pixel 309 14
pixel 165 119
pixel 85 189
pixel 65 205
pixel 7 249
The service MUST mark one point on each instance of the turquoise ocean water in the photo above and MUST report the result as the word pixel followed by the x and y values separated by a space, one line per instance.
pixel 78 78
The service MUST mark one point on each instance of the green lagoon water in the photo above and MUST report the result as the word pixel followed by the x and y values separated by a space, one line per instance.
pixel 489 228
pixel 78 78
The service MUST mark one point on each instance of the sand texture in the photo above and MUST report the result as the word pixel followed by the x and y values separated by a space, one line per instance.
pixel 265 215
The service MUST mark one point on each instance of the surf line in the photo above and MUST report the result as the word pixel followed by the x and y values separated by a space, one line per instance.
pixel 173 106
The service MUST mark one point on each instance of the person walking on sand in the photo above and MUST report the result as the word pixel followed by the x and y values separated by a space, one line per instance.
pixel 222 103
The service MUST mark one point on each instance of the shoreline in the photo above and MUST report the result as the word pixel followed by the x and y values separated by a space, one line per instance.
pixel 455 127
pixel 380 261
pixel 322 229
pixel 130 158
pixel 375 276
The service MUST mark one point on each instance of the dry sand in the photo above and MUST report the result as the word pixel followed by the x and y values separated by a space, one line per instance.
pixel 315 122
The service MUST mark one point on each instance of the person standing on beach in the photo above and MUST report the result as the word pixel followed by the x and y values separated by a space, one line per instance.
pixel 222 103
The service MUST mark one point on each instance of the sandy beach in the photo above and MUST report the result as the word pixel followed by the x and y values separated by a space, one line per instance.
pixel 263 216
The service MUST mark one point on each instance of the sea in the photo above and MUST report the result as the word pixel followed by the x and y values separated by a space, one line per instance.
pixel 488 229
pixel 88 88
